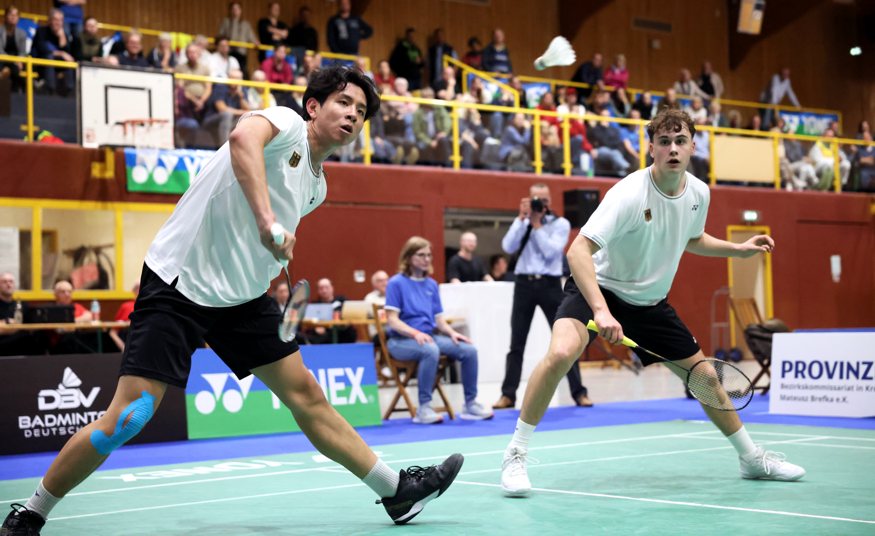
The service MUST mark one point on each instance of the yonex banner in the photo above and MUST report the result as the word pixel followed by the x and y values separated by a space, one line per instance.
pixel 823 373
pixel 163 171
pixel 807 124
pixel 47 398
pixel 220 405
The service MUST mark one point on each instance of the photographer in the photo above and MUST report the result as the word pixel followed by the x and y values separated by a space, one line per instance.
pixel 537 239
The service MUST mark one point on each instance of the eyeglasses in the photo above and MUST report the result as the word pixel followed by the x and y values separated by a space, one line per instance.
pixel 423 255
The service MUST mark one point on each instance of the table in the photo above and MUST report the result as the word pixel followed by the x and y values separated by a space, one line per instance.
pixel 100 327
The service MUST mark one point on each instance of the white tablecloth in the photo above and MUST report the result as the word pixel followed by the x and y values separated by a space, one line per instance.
pixel 486 307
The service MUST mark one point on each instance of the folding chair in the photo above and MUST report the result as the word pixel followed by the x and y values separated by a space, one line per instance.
pixel 747 314
pixel 404 371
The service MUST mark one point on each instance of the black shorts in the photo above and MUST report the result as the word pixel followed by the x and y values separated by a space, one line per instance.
pixel 166 327
pixel 655 327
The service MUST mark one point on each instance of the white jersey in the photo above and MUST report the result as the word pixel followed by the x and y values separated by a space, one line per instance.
pixel 642 234
pixel 211 241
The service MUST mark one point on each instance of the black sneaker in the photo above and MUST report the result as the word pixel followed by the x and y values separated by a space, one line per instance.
pixel 418 485
pixel 22 522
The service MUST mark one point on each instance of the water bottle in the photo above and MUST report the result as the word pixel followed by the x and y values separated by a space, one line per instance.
pixel 95 311
pixel 18 315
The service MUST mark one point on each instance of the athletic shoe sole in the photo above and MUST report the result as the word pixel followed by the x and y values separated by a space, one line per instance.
pixel 420 504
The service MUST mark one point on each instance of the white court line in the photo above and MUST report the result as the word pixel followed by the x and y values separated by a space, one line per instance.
pixel 681 503
pixel 848 438
pixel 316 469
pixel 209 501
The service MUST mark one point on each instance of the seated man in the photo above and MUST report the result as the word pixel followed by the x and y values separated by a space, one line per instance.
pixel 321 335
pixel 515 142
pixel 464 266
pixel 865 162
pixel 824 161
pixel 133 55
pixel 419 332
pixel 191 96
pixel 53 42
pixel 12 312
pixel 63 341
pixel 609 147
pixel 379 280
pixel 432 128
pixel 226 105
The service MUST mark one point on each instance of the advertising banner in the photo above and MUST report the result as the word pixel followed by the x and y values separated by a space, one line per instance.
pixel 47 398
pixel 828 373
pixel 807 124
pixel 220 405
pixel 163 171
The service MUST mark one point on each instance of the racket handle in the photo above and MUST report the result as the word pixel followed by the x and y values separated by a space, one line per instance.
pixel 278 232
pixel 625 342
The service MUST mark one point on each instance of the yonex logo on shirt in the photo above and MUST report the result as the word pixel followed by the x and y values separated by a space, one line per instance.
pixel 695 207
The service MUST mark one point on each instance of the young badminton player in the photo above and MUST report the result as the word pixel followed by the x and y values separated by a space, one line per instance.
pixel 622 265
pixel 205 278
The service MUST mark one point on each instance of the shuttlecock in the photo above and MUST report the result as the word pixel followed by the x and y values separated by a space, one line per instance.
pixel 558 53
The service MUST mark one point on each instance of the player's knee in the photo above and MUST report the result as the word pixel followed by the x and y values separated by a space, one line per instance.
pixel 563 353
pixel 130 422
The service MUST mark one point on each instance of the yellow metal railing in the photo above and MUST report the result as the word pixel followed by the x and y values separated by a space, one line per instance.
pixel 465 68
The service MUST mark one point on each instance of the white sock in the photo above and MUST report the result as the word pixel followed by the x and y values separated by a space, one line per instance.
pixel 42 501
pixel 742 442
pixel 521 435
pixel 382 479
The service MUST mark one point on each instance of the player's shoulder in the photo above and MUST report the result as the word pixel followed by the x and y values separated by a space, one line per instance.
pixel 699 187
pixel 633 185
pixel 283 118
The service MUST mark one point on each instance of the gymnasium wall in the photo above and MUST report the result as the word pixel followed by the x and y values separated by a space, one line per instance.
pixel 371 211
pixel 813 44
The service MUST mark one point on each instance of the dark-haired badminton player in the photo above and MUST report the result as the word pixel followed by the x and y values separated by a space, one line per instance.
pixel 205 278
pixel 622 265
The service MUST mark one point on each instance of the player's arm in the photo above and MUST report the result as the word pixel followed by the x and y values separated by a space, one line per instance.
pixel 583 271
pixel 247 142
pixel 709 246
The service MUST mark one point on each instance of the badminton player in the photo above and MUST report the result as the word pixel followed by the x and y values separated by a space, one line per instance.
pixel 622 265
pixel 205 278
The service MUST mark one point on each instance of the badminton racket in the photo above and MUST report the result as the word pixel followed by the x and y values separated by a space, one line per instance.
pixel 299 295
pixel 715 383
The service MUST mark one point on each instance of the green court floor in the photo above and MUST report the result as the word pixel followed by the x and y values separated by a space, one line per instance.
pixel 661 478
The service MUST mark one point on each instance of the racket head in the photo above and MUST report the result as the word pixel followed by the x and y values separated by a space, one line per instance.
pixel 720 385
pixel 293 312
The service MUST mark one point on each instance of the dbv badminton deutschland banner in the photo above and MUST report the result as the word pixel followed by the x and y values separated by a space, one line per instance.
pixel 163 171
pixel 218 404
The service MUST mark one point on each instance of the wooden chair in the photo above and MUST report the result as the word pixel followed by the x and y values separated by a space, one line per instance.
pixel 404 371
pixel 747 312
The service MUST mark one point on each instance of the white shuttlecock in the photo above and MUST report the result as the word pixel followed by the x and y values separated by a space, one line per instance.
pixel 558 53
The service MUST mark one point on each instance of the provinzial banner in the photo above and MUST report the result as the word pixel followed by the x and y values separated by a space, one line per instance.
pixel 163 171
pixel 220 405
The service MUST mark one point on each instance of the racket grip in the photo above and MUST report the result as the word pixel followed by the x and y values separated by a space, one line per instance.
pixel 625 342
pixel 278 232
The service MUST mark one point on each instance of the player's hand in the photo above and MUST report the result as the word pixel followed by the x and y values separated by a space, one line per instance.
pixel 422 338
pixel 525 208
pixel 756 244
pixel 282 252
pixel 458 337
pixel 609 328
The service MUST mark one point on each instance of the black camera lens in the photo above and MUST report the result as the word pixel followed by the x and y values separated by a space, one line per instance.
pixel 537 205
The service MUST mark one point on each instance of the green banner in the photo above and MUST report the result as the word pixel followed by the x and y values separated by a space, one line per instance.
pixel 163 171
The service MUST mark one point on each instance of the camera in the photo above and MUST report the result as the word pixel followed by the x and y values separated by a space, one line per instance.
pixel 538 205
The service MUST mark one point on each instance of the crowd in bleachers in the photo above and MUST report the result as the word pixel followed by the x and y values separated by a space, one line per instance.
pixel 408 133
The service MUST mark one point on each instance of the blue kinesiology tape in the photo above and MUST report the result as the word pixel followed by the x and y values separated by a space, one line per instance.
pixel 140 411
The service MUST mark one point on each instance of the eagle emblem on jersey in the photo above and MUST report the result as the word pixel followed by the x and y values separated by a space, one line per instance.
pixel 295 159
pixel 647 215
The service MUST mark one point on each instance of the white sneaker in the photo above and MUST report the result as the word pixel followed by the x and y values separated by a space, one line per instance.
pixel 514 476
pixel 475 411
pixel 426 415
pixel 769 465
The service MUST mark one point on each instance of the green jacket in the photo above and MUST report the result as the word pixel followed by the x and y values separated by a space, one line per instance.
pixel 442 123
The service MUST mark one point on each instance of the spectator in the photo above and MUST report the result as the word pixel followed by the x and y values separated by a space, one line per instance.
pixel 272 31
pixel 687 86
pixel 192 96
pixel 821 154
pixel 756 123
pixel 716 117
pixel 864 160
pixel 710 82
pixel 734 119
pixel 617 76
pixel 700 162
pixel 203 45
pixel 346 31
pixel 778 88
pixel 303 36
pixel 64 296
pixel 227 104
pixel 419 332
pixel 608 146
pixel 631 137
pixel 436 52
pixel 277 69
pixel 89 46
pixel 312 63
pixel 464 266
pixel 379 281
pixel 669 101
pixel 13 42
pixel 133 56
pixel 238 29
pixel 119 336
pixel 498 268
pixel 474 55
pixel 431 128
pixel 163 56
pixel 406 60
pixel 221 61
pixel 384 75
pixel 551 143
pixel 281 295
pixel 473 137
pixel 863 129
pixel 496 57
pixel 446 86
pixel 73 14
pixel 515 142
pixel 644 105
pixel 601 101
pixel 398 123
pixel 16 343
pixel 296 102
pixel 52 42
pixel 797 171
pixel 321 335
pixel 697 110
pixel 620 101
pixel 589 72
pixel 576 127
pixel 255 95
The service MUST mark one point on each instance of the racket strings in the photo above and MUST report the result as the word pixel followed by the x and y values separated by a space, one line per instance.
pixel 719 385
